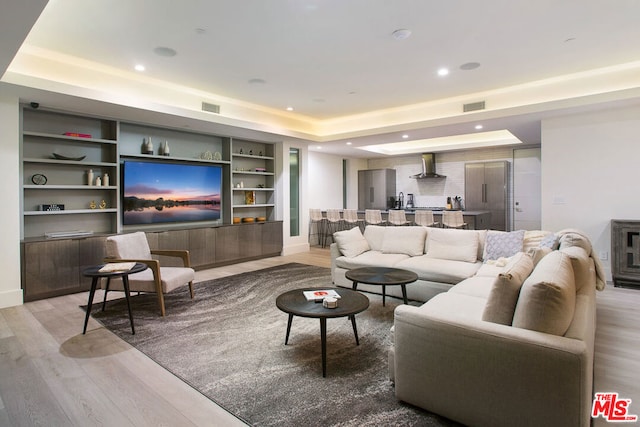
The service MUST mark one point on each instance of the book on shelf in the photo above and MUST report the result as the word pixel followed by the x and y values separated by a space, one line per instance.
pixel 320 294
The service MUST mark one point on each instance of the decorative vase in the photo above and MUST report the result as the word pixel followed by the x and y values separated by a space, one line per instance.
pixel 147 146
pixel 164 149
pixel 105 180
pixel 90 177
pixel 98 182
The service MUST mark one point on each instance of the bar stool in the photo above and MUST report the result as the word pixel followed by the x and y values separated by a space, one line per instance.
pixel 373 217
pixel 334 223
pixel 397 217
pixel 351 220
pixel 453 219
pixel 425 219
pixel 316 218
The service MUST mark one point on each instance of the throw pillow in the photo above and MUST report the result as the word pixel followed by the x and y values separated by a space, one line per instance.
pixel 583 268
pixel 404 240
pixel 503 297
pixel 551 241
pixel 548 297
pixel 575 239
pixel 351 242
pixel 455 245
pixel 375 236
pixel 537 254
pixel 532 239
pixel 502 244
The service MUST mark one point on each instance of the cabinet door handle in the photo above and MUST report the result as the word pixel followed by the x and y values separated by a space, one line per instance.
pixel 484 193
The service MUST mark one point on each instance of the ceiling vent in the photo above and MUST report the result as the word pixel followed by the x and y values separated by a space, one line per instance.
pixel 473 106
pixel 211 108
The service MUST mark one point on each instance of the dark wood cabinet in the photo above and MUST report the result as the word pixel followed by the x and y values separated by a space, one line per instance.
pixel 53 267
pixel 625 253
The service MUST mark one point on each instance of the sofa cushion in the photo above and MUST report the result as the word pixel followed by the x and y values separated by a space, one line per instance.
pixel 455 306
pixel 370 259
pixel 439 270
pixel 476 286
pixel 451 244
pixel 552 241
pixel 375 236
pixel 548 297
pixel 504 293
pixel 499 244
pixel 404 240
pixel 583 268
pixel 351 242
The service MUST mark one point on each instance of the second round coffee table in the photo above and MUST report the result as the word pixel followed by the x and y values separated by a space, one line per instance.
pixel 350 303
pixel 383 276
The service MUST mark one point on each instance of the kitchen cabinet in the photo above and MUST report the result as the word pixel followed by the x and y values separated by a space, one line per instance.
pixel 376 188
pixel 486 188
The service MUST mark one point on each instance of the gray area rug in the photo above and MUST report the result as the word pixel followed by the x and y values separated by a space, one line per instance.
pixel 228 343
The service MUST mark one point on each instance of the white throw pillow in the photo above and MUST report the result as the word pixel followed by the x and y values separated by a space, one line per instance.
pixel 404 240
pixel 502 244
pixel 375 236
pixel 454 245
pixel 351 242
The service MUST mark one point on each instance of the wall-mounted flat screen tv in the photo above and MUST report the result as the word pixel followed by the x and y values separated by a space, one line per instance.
pixel 165 192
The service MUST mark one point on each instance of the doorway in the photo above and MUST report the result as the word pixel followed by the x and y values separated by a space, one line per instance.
pixel 527 189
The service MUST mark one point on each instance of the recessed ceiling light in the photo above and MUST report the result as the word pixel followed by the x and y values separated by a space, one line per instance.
pixel 289 108
pixel 319 147
pixel 139 67
pixel 257 81
pixel 478 127
pixel 318 100
pixel 165 51
pixel 401 34
pixel 443 72
pixel 469 66
pixel 570 39
pixel 405 136
pixel 200 31
pixel 349 143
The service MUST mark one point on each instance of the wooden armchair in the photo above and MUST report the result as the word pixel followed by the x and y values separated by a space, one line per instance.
pixel 134 247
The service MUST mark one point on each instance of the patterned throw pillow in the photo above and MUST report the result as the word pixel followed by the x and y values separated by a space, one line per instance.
pixel 501 244
pixel 550 241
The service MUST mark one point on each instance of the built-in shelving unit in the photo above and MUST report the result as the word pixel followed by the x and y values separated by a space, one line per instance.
pixel 253 183
pixel 45 136
pixel 54 266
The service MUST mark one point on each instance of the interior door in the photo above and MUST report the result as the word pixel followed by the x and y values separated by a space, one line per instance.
pixel 527 189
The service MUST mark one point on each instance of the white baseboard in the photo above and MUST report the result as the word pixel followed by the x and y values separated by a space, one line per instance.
pixel 11 298
pixel 295 249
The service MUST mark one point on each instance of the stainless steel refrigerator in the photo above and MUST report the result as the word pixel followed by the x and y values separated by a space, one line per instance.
pixel 486 188
pixel 376 188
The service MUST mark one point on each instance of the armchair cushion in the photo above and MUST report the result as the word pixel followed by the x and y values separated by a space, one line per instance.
pixel 172 278
pixel 128 246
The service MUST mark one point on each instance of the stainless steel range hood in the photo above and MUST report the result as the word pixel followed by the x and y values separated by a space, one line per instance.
pixel 428 167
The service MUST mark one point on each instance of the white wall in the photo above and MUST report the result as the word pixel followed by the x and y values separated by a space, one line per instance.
pixel 10 289
pixel 590 173
pixel 324 181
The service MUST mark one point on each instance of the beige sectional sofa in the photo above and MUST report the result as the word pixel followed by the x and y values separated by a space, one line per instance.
pixel 506 333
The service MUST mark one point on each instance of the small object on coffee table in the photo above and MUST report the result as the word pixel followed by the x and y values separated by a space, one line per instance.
pixel 294 303
pixel 383 276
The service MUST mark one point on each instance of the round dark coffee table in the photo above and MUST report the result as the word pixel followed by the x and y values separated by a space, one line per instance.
pixel 350 303
pixel 383 276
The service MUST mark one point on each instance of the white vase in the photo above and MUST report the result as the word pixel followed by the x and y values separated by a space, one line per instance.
pixel 105 180
pixel 164 149
pixel 90 177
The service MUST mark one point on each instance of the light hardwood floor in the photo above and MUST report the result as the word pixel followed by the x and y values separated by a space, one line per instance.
pixel 52 375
